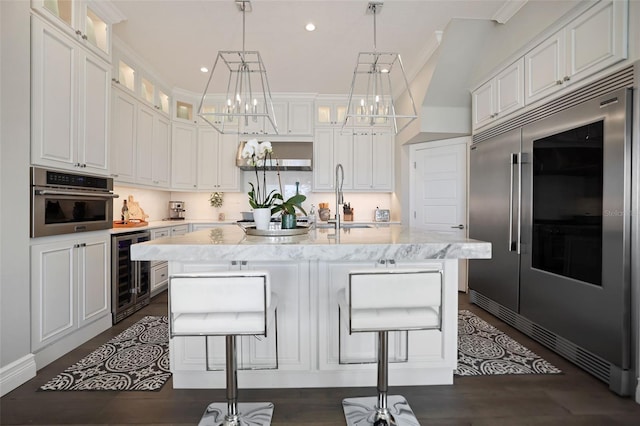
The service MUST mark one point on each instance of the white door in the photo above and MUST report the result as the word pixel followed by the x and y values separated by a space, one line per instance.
pixel 439 190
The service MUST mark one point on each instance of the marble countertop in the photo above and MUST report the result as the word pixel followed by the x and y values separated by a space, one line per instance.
pixel 355 244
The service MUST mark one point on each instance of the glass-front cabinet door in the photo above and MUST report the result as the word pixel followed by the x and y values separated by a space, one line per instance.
pixel 81 19
pixel 96 31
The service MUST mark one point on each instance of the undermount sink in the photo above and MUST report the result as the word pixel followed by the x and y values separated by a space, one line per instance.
pixel 345 225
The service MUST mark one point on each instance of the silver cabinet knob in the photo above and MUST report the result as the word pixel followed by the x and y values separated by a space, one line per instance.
pixel 461 226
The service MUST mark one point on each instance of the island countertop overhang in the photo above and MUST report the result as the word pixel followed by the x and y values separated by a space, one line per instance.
pixel 388 242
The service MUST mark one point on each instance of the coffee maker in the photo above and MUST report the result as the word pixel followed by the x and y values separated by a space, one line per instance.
pixel 176 210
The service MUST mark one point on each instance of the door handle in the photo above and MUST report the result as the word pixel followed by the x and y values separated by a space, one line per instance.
pixel 461 226
pixel 513 160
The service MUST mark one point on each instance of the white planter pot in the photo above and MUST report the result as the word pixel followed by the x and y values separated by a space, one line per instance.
pixel 262 217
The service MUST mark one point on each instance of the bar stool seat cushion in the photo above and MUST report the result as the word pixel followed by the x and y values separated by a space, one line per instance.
pixel 225 323
pixel 388 318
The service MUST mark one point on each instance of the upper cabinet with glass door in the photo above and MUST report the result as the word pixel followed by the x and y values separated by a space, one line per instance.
pixel 154 95
pixel 330 111
pixel 86 20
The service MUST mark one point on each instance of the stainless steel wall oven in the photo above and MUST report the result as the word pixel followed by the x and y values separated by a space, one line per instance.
pixel 64 203
pixel 553 195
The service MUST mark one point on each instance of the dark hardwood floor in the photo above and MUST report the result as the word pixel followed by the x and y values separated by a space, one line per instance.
pixel 573 398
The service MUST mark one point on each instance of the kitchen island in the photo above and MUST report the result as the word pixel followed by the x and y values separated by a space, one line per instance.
pixel 307 272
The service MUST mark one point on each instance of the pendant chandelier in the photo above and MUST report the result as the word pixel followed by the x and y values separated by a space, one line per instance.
pixel 247 101
pixel 371 98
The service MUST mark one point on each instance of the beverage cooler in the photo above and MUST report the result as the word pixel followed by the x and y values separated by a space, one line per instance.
pixel 130 280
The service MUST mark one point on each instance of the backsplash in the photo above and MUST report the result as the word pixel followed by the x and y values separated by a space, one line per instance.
pixel 197 205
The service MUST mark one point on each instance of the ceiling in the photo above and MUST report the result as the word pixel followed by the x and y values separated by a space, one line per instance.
pixel 177 37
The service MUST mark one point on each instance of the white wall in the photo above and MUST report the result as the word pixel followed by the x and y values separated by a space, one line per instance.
pixel 15 111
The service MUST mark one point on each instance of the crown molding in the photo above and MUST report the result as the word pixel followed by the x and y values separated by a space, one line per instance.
pixel 507 10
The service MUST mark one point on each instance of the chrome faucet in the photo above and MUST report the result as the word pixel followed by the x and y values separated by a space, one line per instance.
pixel 339 195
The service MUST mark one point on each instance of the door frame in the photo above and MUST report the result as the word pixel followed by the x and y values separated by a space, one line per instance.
pixel 463 284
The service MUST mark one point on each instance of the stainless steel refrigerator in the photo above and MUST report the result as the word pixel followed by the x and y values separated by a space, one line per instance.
pixel 553 197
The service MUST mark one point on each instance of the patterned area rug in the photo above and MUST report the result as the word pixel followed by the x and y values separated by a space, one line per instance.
pixel 135 360
pixel 485 350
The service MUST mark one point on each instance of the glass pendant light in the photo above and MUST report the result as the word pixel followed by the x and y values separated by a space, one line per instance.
pixel 248 96
pixel 371 97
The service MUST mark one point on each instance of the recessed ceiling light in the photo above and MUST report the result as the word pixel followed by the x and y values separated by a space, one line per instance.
pixel 204 69
pixel 310 27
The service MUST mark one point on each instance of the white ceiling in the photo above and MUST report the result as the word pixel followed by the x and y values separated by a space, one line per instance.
pixel 177 37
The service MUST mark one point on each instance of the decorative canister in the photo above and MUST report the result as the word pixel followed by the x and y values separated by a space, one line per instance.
pixel 324 214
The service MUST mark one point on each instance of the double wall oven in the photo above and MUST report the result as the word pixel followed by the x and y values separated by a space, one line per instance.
pixel 64 203
pixel 553 196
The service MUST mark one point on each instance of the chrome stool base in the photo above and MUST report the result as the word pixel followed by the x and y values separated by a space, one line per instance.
pixel 249 414
pixel 363 411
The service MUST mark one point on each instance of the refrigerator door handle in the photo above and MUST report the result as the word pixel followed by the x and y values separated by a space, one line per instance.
pixel 513 159
pixel 519 160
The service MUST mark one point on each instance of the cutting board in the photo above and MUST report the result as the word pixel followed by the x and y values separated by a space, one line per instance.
pixel 130 224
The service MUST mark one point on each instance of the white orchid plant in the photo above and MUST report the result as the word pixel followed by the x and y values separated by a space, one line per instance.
pixel 258 154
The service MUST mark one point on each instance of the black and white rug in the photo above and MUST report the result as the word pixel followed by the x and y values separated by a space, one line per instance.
pixel 135 360
pixel 484 350
pixel 138 358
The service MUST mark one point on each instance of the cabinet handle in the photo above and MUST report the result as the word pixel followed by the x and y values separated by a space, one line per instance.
pixel 78 32
pixel 84 37
pixel 559 82
pixel 461 226
pixel 566 78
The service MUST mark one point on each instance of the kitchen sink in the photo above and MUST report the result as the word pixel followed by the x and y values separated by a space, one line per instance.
pixel 345 225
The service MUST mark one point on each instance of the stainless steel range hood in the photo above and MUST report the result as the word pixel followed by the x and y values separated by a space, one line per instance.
pixel 292 156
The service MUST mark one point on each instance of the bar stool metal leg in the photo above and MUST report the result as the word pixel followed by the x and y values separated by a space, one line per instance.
pixel 382 410
pixel 243 414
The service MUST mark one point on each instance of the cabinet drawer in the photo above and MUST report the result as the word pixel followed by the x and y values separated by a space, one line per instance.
pixel 159 275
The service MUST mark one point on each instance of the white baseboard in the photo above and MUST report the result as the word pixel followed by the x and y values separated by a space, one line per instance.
pixel 17 373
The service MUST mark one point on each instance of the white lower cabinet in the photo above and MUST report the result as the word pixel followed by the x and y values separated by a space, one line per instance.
pixel 308 333
pixel 160 269
pixel 70 286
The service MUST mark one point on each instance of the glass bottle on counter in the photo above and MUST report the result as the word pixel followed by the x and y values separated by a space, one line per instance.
pixel 125 212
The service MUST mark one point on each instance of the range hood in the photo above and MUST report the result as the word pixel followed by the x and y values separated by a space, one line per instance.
pixel 294 156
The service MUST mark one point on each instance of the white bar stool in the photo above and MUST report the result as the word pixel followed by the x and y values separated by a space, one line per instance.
pixel 384 300
pixel 225 304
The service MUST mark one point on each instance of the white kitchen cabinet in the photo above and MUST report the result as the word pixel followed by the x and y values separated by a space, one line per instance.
pixel 373 160
pixel 500 96
pixel 184 151
pixel 331 147
pixel 70 286
pixel 123 131
pixel 592 42
pixel 152 147
pixel 153 95
pixel 141 142
pixel 70 102
pixel 299 119
pixel 83 20
pixel 160 269
pixel 217 168
pixel 217 105
pixel 293 118
pixel 159 278
pixel 161 152
pixel 330 111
